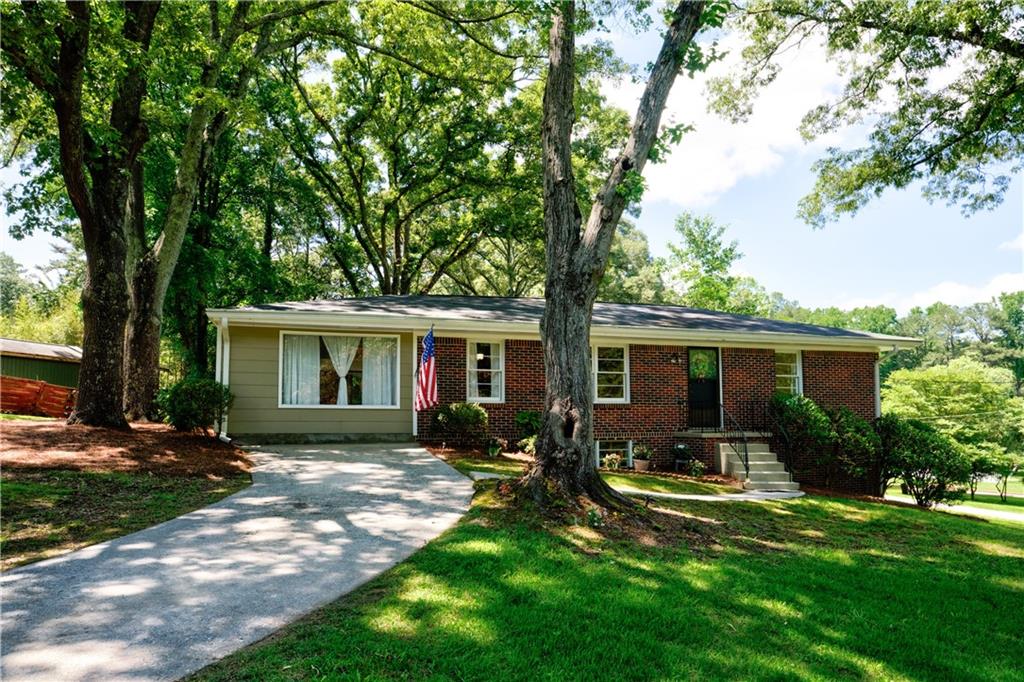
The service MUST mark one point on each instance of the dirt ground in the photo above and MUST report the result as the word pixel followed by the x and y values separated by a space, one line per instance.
pixel 154 448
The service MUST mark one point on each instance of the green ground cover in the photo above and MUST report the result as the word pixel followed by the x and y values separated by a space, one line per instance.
pixel 808 589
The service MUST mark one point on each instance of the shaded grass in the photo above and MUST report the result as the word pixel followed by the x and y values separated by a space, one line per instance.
pixel 807 589
pixel 645 482
pixel 668 484
pixel 50 512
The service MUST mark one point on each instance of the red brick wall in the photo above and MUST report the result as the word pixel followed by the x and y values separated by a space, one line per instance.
pixel 657 407
pixel 836 379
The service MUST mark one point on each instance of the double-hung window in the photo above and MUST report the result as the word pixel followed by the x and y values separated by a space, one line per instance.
pixel 485 371
pixel 789 372
pixel 610 374
pixel 338 370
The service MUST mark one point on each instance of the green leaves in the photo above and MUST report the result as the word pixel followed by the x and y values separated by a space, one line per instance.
pixel 937 82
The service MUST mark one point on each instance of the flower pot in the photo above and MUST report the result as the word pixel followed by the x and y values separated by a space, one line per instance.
pixel 641 464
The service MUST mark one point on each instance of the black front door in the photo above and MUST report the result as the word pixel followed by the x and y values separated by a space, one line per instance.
pixel 703 391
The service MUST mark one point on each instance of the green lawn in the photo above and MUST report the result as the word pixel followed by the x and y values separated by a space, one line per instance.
pixel 1012 504
pixel 808 589
pixel 1016 486
pixel 645 482
pixel 665 484
pixel 4 416
pixel 49 512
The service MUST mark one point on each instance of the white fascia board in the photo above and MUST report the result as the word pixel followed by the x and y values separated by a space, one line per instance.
pixel 527 330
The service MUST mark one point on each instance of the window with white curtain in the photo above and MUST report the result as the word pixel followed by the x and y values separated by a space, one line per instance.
pixel 338 370
pixel 789 373
pixel 485 371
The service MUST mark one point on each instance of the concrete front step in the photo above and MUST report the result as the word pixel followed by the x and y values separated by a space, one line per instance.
pixel 771 485
pixel 751 448
pixel 735 463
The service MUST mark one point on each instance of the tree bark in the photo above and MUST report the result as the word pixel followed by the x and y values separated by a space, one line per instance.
pixel 565 466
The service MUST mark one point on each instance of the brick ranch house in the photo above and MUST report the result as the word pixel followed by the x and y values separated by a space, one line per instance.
pixel 343 371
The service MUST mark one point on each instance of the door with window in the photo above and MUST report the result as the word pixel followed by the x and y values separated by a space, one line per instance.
pixel 703 388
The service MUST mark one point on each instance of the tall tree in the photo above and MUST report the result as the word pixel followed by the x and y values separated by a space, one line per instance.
pixel 577 252
pixel 47 49
pixel 90 65
pixel 938 83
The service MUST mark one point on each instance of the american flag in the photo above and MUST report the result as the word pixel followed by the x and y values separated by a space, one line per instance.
pixel 426 380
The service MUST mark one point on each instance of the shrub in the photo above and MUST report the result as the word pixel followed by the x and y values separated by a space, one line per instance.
pixel 612 460
pixel 855 441
pixel 529 422
pixel 807 426
pixel 982 464
pixel 641 451
pixel 931 465
pixel 194 403
pixel 464 423
pixel 1004 466
pixel 528 445
pixel 695 468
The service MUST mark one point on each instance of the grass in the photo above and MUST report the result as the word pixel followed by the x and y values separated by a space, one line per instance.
pixel 4 416
pixel 644 482
pixel 50 512
pixel 1012 504
pixel 1016 486
pixel 808 589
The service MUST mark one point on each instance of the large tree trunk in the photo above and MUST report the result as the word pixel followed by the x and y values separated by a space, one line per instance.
pixel 104 314
pixel 565 466
pixel 142 343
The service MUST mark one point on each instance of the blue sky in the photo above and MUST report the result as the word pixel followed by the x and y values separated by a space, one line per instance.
pixel 899 250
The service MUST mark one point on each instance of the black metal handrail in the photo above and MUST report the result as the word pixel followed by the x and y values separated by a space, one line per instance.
pixel 784 439
pixel 733 436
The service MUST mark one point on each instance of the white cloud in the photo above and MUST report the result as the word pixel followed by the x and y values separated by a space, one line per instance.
pixel 1016 244
pixel 953 293
pixel 718 154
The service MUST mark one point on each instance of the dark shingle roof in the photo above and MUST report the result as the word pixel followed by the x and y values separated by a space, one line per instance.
pixel 529 310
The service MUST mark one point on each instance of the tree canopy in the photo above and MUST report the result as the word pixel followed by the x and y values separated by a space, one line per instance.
pixel 938 84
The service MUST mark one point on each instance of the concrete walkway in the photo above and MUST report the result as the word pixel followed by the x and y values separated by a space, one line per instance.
pixel 746 496
pixel 158 604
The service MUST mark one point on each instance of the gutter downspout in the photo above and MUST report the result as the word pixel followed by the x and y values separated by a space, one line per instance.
pixel 224 375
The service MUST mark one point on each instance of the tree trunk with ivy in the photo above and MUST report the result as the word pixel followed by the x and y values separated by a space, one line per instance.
pixel 577 254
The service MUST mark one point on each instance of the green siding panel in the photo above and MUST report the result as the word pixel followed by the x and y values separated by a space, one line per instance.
pixel 50 371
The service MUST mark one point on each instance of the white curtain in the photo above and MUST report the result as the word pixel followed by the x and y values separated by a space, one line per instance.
pixel 342 350
pixel 379 358
pixel 300 381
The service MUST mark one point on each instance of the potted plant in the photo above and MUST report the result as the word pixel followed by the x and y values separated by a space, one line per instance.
pixel 612 461
pixel 493 447
pixel 642 457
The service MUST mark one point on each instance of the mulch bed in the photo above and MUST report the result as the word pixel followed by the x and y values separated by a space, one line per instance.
pixel 152 448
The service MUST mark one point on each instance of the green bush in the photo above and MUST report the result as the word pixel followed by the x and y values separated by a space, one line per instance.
pixel 464 423
pixel 808 427
pixel 855 441
pixel 932 466
pixel 529 422
pixel 528 445
pixel 194 403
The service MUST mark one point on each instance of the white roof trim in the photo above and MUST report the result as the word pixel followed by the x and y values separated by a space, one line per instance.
pixel 462 327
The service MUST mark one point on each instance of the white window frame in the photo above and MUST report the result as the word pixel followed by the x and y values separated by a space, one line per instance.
pixel 799 370
pixel 624 400
pixel 398 370
pixel 470 367
pixel 629 451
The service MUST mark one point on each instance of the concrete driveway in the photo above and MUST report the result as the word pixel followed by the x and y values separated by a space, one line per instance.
pixel 317 522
